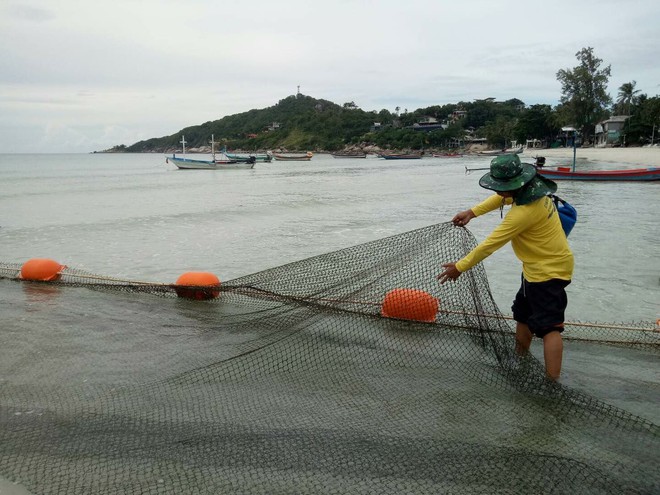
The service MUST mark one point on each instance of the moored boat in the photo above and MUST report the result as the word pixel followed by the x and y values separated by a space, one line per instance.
pixel 221 163
pixel 509 151
pixel 349 155
pixel 400 156
pixel 633 174
pixel 293 157
pixel 190 164
pixel 259 157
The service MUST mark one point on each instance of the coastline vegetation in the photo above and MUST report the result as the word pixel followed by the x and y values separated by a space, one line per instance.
pixel 301 122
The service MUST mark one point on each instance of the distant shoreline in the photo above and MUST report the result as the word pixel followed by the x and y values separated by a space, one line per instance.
pixel 633 157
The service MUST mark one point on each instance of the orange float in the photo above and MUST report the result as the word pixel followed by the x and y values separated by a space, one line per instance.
pixel 42 270
pixel 197 285
pixel 410 304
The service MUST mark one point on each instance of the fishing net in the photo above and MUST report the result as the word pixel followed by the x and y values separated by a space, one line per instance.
pixel 293 381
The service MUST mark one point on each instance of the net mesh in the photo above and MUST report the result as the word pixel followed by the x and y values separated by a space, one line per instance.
pixel 291 381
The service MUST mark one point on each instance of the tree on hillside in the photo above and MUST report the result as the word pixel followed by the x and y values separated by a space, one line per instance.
pixel 385 117
pixel 500 132
pixel 440 112
pixel 627 96
pixel 584 91
pixel 535 123
pixel 515 103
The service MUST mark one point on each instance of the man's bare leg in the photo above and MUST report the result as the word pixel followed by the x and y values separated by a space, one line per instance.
pixel 523 338
pixel 553 348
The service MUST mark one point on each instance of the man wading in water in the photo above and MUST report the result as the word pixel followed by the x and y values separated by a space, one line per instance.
pixel 538 240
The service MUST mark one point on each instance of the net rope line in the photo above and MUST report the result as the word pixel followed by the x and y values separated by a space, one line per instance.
pixel 500 316
pixel 229 288
pixel 317 301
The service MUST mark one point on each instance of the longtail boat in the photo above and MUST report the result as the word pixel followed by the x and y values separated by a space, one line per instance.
pixel 349 155
pixel 507 151
pixel 222 163
pixel 633 174
pixel 291 157
pixel 400 156
pixel 246 157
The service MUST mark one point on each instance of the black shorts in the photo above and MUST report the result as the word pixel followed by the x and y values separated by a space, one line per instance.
pixel 541 305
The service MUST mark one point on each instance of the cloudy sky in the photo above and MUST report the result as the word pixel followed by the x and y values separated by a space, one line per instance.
pixel 85 75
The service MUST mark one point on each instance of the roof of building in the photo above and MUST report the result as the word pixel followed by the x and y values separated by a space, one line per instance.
pixel 616 118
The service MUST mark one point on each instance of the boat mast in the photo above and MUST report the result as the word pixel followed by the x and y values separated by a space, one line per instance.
pixel 574 147
pixel 212 148
pixel 567 130
pixel 183 144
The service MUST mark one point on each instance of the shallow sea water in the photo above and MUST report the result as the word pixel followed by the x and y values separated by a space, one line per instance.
pixel 134 216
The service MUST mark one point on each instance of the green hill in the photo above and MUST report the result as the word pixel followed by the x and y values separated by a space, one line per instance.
pixel 294 123
pixel 303 123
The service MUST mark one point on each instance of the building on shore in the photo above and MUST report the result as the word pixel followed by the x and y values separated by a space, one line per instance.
pixel 609 132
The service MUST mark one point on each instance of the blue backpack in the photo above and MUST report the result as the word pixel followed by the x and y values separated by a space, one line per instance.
pixel 567 214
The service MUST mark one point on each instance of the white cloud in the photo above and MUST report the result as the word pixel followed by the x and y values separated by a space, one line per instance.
pixel 86 75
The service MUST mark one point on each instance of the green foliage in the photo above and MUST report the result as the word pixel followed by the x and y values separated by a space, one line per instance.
pixel 584 90
pixel 626 97
pixel 643 126
pixel 500 132
pixel 479 113
pixel 304 123
pixel 535 122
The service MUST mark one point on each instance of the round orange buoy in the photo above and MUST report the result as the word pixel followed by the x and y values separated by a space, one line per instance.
pixel 410 304
pixel 197 285
pixel 41 269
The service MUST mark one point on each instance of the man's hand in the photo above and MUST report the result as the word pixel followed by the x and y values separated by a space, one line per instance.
pixel 463 218
pixel 450 273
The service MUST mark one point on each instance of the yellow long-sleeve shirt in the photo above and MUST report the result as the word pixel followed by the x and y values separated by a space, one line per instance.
pixel 536 236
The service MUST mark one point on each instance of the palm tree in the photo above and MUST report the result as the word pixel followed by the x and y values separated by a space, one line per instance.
pixel 626 95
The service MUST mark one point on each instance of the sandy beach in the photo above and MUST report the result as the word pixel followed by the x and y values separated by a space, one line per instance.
pixel 609 158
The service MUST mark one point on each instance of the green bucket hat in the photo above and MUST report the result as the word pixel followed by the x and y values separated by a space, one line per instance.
pixel 508 173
